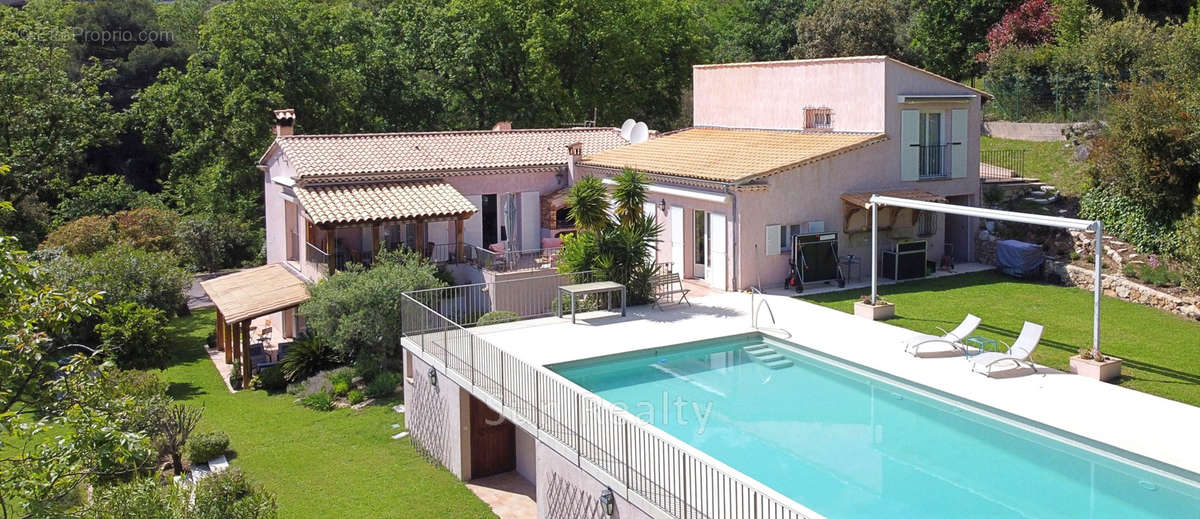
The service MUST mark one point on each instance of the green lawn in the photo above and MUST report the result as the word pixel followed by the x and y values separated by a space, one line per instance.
pixel 1050 162
pixel 336 464
pixel 1161 350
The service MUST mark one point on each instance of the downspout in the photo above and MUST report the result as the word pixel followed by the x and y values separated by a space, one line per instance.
pixel 737 232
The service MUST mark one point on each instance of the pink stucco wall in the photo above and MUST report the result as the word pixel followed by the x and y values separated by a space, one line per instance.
pixel 775 94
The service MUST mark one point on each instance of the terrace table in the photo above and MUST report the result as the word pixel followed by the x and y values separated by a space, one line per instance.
pixel 574 291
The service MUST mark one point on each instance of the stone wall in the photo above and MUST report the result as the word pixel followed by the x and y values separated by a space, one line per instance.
pixel 1025 131
pixel 1122 288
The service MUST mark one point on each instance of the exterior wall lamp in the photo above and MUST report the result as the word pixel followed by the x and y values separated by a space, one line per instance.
pixel 607 501
pixel 433 377
pixel 662 205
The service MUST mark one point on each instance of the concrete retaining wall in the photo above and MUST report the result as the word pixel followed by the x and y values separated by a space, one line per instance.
pixel 1042 132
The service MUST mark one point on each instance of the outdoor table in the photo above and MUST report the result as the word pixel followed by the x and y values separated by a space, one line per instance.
pixel 574 291
pixel 980 344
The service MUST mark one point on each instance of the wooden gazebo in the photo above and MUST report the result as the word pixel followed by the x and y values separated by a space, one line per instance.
pixel 243 296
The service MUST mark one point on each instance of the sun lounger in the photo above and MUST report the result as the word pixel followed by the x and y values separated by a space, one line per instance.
pixel 952 338
pixel 1018 354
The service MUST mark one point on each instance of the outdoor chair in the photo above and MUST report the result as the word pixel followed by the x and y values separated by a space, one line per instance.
pixel 258 356
pixel 952 338
pixel 667 285
pixel 1018 353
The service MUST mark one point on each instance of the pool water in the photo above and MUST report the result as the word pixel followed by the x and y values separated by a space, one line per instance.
pixel 847 443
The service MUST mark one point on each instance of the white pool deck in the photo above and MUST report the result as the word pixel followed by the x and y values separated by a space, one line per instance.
pixel 1146 425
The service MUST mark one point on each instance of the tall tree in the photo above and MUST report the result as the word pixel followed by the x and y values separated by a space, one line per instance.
pixel 948 34
pixel 848 28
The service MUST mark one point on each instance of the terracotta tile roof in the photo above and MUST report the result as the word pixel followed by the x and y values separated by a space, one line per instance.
pixel 730 155
pixel 333 155
pixel 863 199
pixel 381 201
pixel 255 292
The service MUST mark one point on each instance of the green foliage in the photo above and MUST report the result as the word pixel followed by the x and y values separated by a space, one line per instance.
pixel 355 310
pixel 211 242
pixel 341 385
pixel 618 251
pixel 203 447
pixel 101 195
pixel 271 379
pixel 588 203
pixel 497 317
pixel 148 228
pixel 948 34
pixel 125 273
pixel 1124 217
pixel 224 495
pixel 1072 20
pixel 1188 251
pixel 849 28
pixel 384 384
pixel 628 195
pixel 355 397
pixel 174 430
pixel 86 235
pixel 753 30
pixel 319 401
pixel 307 356
pixel 134 335
pixel 1149 150
pixel 1160 275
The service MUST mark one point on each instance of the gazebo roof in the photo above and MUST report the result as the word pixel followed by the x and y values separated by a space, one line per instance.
pixel 255 292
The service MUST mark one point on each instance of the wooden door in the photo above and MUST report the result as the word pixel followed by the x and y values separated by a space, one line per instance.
pixel 493 442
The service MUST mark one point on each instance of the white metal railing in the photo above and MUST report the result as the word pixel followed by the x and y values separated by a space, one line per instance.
pixel 643 463
pixel 523 298
pixel 508 261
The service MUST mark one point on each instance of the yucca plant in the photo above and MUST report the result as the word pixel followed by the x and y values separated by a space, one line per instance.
pixel 307 356
pixel 629 194
pixel 588 202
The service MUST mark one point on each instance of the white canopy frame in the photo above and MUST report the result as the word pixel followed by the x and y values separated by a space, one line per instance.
pixel 991 214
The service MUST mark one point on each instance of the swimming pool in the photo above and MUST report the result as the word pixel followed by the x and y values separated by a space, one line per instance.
pixel 847 442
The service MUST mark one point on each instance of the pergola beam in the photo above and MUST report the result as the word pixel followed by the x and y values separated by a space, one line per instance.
pixel 992 214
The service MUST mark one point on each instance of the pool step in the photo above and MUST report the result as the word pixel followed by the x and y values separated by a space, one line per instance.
pixel 767 356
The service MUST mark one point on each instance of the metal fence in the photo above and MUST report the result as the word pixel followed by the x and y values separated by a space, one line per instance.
pixel 508 261
pixel 1000 165
pixel 523 298
pixel 647 462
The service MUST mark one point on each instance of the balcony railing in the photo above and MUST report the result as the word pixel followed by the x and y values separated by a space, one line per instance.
pixel 508 261
pixel 933 161
pixel 646 462
pixel 525 298
pixel 316 263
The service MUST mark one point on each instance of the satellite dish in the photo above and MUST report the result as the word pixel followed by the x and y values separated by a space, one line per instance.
pixel 640 133
pixel 626 128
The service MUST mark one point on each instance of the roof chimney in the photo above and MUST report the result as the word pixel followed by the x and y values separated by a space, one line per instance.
pixel 502 126
pixel 284 120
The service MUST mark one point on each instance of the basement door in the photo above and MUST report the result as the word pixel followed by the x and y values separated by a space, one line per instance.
pixel 493 442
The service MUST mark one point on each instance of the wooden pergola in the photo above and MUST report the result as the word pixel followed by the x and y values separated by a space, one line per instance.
pixel 243 296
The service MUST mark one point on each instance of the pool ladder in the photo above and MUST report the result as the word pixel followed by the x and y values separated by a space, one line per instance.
pixel 756 308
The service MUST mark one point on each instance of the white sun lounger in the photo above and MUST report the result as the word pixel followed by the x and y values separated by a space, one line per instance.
pixel 953 338
pixel 1018 354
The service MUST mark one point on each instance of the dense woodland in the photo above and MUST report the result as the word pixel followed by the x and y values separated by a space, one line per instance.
pixel 117 105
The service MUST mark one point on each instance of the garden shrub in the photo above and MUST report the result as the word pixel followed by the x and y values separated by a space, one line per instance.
pixel 1124 217
pixel 340 388
pixel 209 242
pixel 134 334
pixel 384 384
pixel 271 379
pixel 206 446
pixel 145 397
pixel 100 195
pixel 229 495
pixel 147 228
pixel 497 317
pixel 125 273
pixel 307 356
pixel 86 235
pixel 1188 251
pixel 355 397
pixel 319 401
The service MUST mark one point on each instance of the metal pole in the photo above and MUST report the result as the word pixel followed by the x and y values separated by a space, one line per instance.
pixel 874 252
pixel 1096 311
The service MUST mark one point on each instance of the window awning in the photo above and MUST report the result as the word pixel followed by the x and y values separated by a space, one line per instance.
pixel 256 292
pixel 382 201
pixel 863 199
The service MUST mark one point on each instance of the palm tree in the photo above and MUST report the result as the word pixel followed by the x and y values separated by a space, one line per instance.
pixel 588 201
pixel 629 195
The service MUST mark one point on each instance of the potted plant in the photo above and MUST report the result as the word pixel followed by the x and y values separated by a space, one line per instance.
pixel 877 311
pixel 1093 364
pixel 235 377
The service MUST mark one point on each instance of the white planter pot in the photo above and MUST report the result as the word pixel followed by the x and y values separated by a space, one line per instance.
pixel 877 312
pixel 1110 369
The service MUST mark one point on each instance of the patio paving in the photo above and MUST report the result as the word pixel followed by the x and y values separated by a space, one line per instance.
pixel 509 495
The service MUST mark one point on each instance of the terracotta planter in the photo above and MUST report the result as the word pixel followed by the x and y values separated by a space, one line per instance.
pixel 1110 369
pixel 876 312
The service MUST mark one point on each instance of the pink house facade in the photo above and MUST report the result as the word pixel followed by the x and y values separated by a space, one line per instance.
pixel 788 148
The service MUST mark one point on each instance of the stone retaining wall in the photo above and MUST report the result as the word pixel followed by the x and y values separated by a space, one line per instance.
pixel 1122 288
pixel 1043 132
